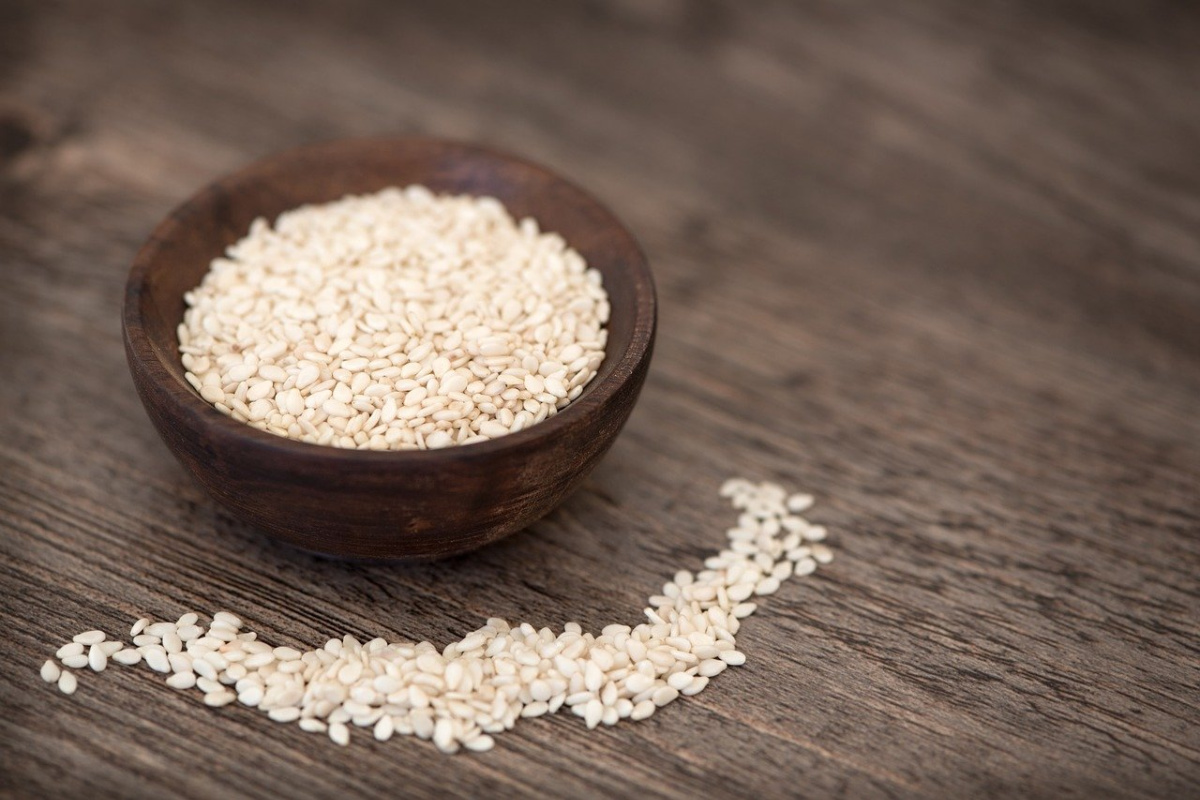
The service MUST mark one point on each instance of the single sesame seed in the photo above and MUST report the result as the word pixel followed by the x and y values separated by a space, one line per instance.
pixel 127 657
pixel 799 502
pixel 339 733
pixel 77 661
pixel 67 683
pixel 156 658
pixel 97 659
pixel 182 680
pixel 89 638
pixel 51 672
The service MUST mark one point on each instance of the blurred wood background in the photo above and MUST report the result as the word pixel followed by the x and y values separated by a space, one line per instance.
pixel 937 262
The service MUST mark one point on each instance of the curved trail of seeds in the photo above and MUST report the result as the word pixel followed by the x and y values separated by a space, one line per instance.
pixel 482 684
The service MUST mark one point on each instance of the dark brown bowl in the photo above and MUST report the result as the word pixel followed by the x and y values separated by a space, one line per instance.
pixel 396 505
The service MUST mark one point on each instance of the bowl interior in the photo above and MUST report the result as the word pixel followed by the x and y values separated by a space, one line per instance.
pixel 181 249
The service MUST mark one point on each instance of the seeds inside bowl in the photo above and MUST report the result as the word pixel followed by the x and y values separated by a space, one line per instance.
pixel 395 321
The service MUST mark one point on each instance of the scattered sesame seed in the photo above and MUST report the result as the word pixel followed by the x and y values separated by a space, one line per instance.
pixel 77 661
pixel 72 649
pixel 182 680
pixel 51 672
pixel 128 657
pixel 97 659
pixel 461 695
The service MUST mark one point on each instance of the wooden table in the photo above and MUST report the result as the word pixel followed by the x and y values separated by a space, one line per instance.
pixel 938 263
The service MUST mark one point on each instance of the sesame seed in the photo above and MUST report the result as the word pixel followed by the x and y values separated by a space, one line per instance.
pixel 156 658
pixel 51 672
pixel 77 661
pixel 97 659
pixel 799 502
pixel 128 657
pixel 529 328
pixel 72 649
pixel 463 694
pixel 182 680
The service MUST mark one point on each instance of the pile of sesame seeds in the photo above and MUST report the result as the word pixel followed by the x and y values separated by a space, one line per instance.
pixel 396 320
pixel 482 684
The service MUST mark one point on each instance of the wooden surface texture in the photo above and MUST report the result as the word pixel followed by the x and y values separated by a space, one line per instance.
pixel 937 262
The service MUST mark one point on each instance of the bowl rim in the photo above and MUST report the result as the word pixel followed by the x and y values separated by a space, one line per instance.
pixel 201 414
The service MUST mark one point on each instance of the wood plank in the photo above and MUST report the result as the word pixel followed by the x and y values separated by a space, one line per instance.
pixel 939 264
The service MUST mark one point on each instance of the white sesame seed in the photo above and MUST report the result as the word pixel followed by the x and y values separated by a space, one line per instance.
pixel 71 649
pixel 189 633
pixel 77 661
pixel 208 685
pixel 50 672
pixel 480 744
pixel 110 647
pixel 384 728
pixel 226 619
pixel 182 680
pixel 733 658
pixel 767 586
pixel 479 686
pixel 822 554
pixel 127 657
pixel 799 502
pixel 204 669
pixel 97 659
pixel 679 681
pixel 67 683
pixel 89 638
pixel 643 710
pixel 540 336
pixel 139 626
pixel 815 533
pixel 156 658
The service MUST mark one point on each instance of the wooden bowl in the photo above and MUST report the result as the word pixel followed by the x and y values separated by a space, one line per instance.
pixel 395 504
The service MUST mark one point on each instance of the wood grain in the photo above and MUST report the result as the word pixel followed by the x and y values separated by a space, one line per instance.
pixel 939 263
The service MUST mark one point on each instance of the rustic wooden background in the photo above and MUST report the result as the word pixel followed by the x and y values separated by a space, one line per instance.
pixel 938 263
